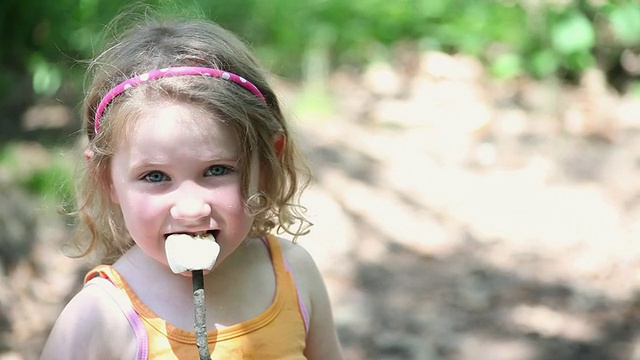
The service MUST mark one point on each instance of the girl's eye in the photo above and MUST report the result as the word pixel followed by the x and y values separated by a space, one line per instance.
pixel 217 170
pixel 155 176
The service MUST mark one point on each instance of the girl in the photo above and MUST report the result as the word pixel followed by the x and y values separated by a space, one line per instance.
pixel 186 137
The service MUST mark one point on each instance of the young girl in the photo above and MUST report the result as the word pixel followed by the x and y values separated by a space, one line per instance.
pixel 187 137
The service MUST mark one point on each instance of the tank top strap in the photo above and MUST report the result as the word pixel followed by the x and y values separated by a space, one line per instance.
pixel 281 265
pixel 96 278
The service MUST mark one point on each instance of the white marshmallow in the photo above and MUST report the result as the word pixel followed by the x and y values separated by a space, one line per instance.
pixel 187 253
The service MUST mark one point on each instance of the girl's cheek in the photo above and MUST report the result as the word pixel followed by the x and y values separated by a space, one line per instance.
pixel 144 206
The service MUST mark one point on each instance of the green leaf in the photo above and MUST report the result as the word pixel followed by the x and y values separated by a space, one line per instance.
pixel 507 66
pixel 574 33
pixel 46 78
pixel 579 61
pixel 432 8
pixel 634 89
pixel 544 63
pixel 625 22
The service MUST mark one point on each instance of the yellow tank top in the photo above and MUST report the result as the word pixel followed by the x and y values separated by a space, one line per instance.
pixel 278 333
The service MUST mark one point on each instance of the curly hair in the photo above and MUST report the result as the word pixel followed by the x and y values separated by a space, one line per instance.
pixel 160 43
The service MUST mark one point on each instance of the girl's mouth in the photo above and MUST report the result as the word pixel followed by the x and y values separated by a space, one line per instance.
pixel 186 252
pixel 199 234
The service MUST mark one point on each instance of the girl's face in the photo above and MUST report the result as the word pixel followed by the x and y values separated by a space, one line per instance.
pixel 170 176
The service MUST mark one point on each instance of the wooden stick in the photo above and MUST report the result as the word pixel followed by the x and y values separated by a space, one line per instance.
pixel 200 320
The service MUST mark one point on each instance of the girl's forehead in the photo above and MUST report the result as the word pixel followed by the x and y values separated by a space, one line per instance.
pixel 180 125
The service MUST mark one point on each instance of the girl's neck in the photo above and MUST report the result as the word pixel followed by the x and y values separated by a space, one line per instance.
pixel 239 288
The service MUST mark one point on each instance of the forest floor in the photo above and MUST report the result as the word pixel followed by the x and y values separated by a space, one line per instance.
pixel 455 218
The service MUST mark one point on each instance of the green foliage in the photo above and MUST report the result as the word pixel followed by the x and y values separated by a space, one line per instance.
pixel 625 23
pixel 46 77
pixel 43 39
pixel 635 89
pixel 49 179
pixel 507 66
pixel 572 33
pixel 51 183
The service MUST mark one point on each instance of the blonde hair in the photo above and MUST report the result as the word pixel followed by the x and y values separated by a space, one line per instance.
pixel 161 43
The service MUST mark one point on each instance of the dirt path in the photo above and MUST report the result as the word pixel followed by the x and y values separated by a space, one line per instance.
pixel 467 220
pixel 428 261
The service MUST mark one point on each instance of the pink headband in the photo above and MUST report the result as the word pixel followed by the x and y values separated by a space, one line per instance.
pixel 172 71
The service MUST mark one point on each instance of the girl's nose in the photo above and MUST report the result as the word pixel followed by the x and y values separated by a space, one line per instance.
pixel 190 210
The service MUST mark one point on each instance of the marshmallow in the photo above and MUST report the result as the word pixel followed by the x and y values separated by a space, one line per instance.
pixel 187 253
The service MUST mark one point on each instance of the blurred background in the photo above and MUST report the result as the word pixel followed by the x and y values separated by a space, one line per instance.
pixel 476 167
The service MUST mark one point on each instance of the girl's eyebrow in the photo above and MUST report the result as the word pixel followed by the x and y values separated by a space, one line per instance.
pixel 144 163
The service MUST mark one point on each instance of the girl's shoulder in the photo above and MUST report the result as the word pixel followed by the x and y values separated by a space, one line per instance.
pixel 304 271
pixel 301 262
pixel 91 326
pixel 322 340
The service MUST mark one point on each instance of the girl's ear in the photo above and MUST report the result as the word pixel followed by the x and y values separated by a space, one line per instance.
pixel 279 142
pixel 88 154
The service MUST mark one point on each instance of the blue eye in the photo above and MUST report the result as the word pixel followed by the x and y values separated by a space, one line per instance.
pixel 217 170
pixel 155 176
